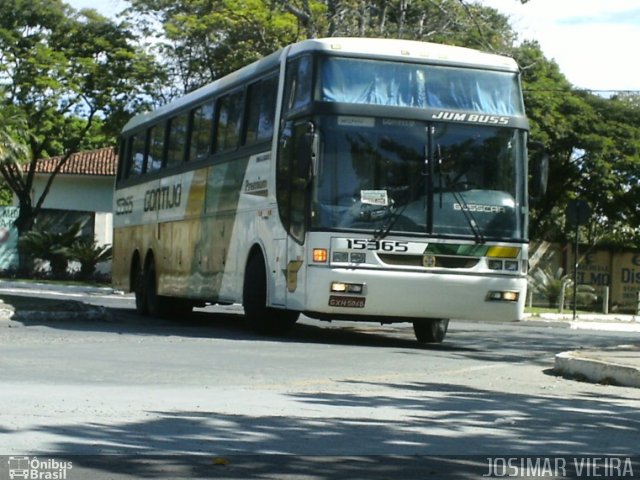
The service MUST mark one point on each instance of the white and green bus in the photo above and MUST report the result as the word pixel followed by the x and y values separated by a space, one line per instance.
pixel 342 178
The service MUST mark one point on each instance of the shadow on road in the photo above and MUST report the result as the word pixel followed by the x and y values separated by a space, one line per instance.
pixel 433 419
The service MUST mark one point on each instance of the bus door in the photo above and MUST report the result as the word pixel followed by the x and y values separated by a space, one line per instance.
pixel 294 175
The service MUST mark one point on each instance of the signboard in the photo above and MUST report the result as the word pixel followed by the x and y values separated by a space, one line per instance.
pixel 8 238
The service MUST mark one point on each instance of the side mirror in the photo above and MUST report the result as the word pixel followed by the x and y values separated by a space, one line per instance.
pixel 539 159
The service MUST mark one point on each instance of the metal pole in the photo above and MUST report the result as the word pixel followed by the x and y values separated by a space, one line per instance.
pixel 605 301
pixel 575 273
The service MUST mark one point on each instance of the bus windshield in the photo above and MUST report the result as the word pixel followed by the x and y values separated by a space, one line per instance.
pixel 404 176
pixel 348 80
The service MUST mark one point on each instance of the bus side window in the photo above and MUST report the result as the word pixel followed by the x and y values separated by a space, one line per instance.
pixel 137 157
pixel 177 140
pixel 156 147
pixel 262 109
pixel 124 149
pixel 298 84
pixel 229 122
pixel 202 123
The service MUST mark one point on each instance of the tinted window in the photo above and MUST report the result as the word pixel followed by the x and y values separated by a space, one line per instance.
pixel 262 108
pixel 177 140
pixel 352 80
pixel 136 160
pixel 201 132
pixel 229 116
pixel 298 83
pixel 156 148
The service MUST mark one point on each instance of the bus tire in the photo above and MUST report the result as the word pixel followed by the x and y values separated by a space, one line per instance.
pixel 139 290
pixel 153 301
pixel 431 330
pixel 254 300
pixel 177 307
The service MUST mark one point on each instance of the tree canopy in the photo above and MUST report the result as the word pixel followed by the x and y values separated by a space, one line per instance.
pixel 594 144
pixel 74 76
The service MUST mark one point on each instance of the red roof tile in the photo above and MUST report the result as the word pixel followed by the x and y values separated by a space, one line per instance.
pixel 103 162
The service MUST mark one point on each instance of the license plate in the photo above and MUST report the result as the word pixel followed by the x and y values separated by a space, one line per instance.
pixel 346 302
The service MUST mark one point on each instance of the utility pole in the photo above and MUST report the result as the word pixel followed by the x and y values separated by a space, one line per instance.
pixel 578 213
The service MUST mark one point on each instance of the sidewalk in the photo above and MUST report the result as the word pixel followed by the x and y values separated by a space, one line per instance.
pixel 612 366
pixel 615 366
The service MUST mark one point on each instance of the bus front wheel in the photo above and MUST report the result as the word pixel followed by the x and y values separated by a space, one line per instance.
pixel 431 330
pixel 254 300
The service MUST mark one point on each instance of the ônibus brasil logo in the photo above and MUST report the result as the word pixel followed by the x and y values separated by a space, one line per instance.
pixel 37 469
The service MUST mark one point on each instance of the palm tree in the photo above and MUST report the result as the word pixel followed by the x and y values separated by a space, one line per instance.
pixel 14 148
pixel 14 152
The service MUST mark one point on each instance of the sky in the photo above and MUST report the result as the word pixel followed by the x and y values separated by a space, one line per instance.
pixel 595 42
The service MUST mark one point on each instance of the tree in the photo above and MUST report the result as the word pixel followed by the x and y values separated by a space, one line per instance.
pixel 202 40
pixel 13 146
pixel 73 75
pixel 594 146
pixel 456 22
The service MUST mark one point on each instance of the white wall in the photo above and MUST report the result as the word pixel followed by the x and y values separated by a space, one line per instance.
pixel 76 192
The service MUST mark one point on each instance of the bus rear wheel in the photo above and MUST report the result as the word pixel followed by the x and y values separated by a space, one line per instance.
pixel 153 301
pixel 139 290
pixel 254 300
pixel 148 302
pixel 431 330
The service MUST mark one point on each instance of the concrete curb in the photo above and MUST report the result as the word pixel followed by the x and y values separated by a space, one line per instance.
pixel 588 365
pixel 79 311
pixel 611 323
pixel 10 286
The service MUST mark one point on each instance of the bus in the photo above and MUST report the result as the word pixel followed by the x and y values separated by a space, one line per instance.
pixel 341 178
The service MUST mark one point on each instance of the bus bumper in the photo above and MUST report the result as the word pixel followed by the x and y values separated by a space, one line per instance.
pixel 403 296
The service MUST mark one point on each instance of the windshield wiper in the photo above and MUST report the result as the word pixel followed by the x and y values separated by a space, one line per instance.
pixel 388 224
pixel 471 220
pixel 445 182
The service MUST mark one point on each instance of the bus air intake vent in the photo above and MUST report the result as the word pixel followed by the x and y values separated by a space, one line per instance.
pixel 441 261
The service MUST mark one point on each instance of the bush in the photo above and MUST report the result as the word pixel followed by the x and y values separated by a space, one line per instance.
pixel 51 247
pixel 88 253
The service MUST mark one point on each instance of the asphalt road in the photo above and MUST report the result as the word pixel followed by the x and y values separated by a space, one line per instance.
pixel 208 398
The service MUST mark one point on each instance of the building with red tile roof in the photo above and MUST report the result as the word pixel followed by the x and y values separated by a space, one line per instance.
pixel 83 187
pixel 101 162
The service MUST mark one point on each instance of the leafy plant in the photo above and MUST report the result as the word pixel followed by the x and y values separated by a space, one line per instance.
pixel 550 283
pixel 547 283
pixel 88 253
pixel 51 247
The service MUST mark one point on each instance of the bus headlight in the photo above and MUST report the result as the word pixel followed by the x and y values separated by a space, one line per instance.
pixel 343 287
pixel 503 296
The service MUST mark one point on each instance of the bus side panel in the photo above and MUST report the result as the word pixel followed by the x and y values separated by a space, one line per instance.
pixel 256 223
pixel 134 230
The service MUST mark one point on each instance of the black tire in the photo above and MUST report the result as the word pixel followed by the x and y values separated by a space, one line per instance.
pixel 139 290
pixel 431 330
pixel 177 308
pixel 153 301
pixel 254 300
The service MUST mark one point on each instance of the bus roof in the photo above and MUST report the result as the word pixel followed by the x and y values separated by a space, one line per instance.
pixel 378 48
pixel 396 49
